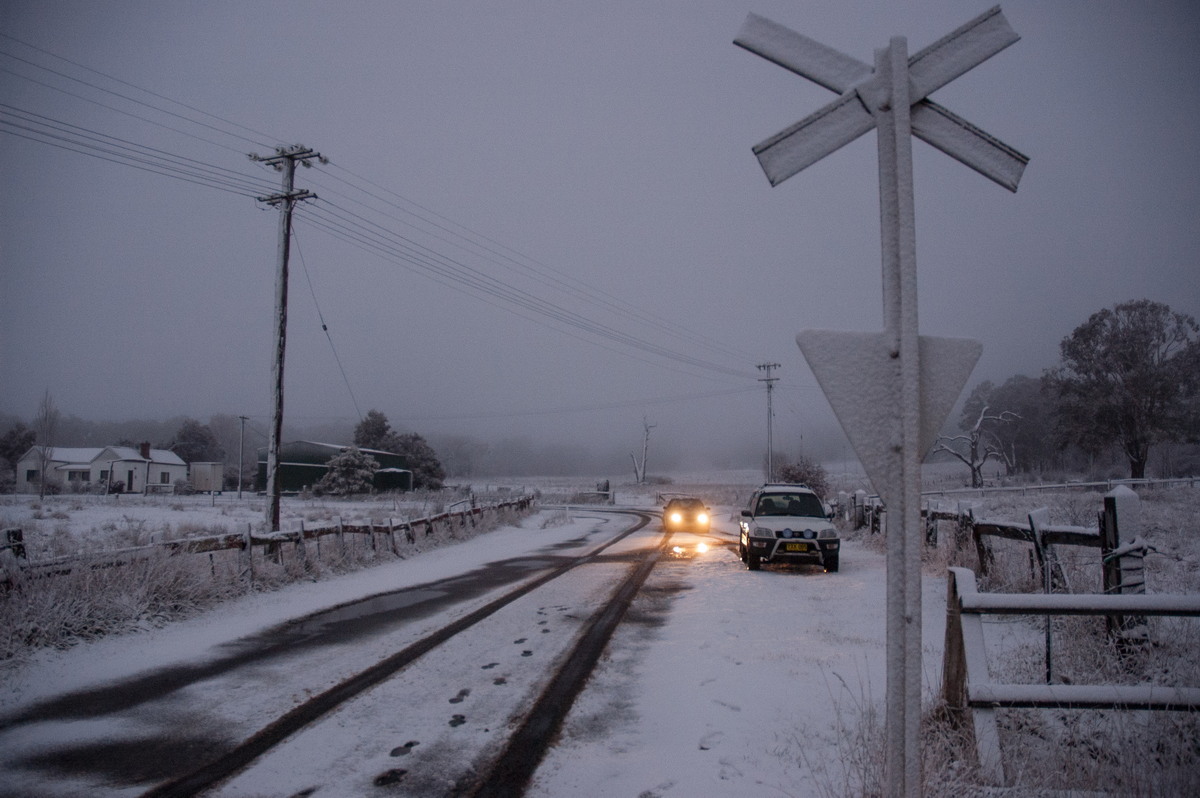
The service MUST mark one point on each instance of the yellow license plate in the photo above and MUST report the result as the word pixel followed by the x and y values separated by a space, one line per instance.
pixel 795 547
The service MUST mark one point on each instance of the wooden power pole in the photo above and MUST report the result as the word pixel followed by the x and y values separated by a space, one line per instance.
pixel 284 160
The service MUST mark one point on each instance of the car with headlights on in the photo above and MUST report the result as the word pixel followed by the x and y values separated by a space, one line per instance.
pixel 685 514
pixel 787 523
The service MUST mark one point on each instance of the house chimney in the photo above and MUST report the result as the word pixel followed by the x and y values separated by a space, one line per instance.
pixel 144 449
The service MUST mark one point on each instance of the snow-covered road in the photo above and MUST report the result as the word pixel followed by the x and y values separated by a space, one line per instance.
pixel 719 682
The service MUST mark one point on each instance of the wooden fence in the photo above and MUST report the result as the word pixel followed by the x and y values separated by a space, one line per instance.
pixel 970 694
pixel 15 567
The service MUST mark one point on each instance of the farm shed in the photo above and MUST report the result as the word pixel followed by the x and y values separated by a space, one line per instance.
pixel 206 477
pixel 303 463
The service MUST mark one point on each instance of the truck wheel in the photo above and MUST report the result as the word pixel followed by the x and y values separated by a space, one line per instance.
pixel 831 564
pixel 753 561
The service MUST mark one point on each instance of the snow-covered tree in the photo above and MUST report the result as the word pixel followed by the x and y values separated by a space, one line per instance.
pixel 1023 440
pixel 195 443
pixel 1130 375
pixel 15 443
pixel 422 461
pixel 350 472
pixel 977 445
pixel 375 432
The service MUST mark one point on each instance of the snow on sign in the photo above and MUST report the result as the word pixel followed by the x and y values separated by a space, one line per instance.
pixel 848 117
pixel 891 390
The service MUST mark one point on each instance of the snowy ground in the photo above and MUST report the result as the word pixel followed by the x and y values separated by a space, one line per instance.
pixel 721 682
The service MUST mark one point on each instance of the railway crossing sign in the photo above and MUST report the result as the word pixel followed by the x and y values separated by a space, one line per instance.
pixel 891 390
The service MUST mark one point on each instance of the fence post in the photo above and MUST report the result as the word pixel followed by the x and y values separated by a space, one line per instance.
pixel 1123 565
pixel 983 551
pixel 954 660
pixel 12 556
pixel 341 537
pixel 301 551
pixel 962 530
pixel 1037 522
pixel 247 555
pixel 392 536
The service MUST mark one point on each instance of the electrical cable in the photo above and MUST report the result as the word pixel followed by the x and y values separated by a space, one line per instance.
pixel 150 155
pixel 565 282
pixel 325 327
pixel 265 136
pixel 432 261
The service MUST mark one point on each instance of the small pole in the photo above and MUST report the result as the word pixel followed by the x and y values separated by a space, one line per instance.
pixel 770 381
pixel 241 454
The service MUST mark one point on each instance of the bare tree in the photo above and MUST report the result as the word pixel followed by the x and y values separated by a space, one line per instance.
pixel 639 469
pixel 980 445
pixel 45 425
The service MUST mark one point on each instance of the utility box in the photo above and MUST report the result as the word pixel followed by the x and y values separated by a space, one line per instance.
pixel 207 477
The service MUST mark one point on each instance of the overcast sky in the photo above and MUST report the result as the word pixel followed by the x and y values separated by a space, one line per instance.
pixel 544 219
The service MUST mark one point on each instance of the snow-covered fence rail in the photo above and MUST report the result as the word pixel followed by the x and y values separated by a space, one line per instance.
pixel 969 693
pixel 1121 549
pixel 14 566
pixel 1098 487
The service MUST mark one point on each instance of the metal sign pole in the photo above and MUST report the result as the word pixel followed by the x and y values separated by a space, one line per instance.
pixel 892 390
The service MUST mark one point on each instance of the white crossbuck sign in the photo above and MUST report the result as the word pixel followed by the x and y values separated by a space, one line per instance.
pixel 848 117
pixel 891 391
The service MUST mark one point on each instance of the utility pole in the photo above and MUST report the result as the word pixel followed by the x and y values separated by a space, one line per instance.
pixel 241 453
pixel 284 161
pixel 770 381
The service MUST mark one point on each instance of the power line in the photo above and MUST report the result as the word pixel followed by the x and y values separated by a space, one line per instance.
pixel 265 136
pixel 530 266
pixel 325 327
pixel 360 231
pixel 400 248
pixel 131 152
pixel 124 97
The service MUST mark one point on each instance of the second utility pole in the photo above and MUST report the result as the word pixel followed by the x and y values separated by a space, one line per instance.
pixel 770 381
pixel 284 161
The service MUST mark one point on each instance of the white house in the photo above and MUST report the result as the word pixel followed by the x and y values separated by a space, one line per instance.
pixel 139 470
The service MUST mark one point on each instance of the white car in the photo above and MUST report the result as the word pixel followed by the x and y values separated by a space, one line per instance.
pixel 787 523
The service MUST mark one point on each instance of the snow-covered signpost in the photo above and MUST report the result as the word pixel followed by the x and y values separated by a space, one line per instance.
pixel 891 390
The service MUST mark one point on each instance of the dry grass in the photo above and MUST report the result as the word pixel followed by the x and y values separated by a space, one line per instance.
pixel 1110 752
pixel 91 599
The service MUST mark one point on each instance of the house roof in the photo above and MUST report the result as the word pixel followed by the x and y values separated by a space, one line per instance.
pixel 164 456
pixel 88 455
pixel 64 454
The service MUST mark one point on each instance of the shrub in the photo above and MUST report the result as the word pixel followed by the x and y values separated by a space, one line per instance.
pixel 806 472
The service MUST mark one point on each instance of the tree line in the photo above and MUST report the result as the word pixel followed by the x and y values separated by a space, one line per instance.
pixel 1128 381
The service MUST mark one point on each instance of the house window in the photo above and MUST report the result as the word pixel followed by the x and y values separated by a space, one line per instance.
pixel 165 477
pixel 77 476
pixel 104 476
pixel 31 475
